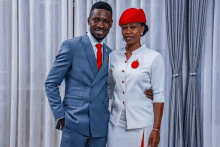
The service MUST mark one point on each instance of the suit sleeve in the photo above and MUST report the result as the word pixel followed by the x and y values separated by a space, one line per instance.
pixel 110 82
pixel 157 79
pixel 56 75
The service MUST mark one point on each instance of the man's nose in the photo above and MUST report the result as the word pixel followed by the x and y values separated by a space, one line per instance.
pixel 101 24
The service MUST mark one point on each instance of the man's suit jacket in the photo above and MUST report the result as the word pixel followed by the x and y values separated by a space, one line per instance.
pixel 86 101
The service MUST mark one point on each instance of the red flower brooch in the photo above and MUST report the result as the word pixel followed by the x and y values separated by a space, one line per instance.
pixel 135 64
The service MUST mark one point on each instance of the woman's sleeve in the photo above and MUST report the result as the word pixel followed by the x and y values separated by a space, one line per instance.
pixel 157 79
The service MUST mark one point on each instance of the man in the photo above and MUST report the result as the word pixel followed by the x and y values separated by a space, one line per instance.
pixel 83 62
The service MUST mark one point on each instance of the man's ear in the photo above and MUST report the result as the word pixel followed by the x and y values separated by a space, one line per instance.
pixel 88 20
pixel 111 23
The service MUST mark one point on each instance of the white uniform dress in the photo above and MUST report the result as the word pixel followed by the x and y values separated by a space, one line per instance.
pixel 131 111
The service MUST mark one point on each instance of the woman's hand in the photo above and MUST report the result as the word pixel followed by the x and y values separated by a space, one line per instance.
pixel 154 139
pixel 149 94
pixel 62 122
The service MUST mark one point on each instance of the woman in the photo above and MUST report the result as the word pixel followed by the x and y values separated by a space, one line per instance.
pixel 135 121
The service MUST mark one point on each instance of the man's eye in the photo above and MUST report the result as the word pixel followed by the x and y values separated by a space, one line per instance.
pixel 95 20
pixel 106 22
pixel 133 27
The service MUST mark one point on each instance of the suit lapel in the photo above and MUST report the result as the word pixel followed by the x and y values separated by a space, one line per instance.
pixel 89 53
pixel 104 67
pixel 105 55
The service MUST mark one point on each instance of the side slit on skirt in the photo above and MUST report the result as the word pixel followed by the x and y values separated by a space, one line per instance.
pixel 142 142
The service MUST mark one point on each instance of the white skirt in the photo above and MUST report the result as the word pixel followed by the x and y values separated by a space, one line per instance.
pixel 120 136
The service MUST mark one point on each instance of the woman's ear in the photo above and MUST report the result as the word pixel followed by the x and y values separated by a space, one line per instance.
pixel 142 29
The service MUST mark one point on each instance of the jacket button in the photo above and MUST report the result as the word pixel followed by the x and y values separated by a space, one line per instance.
pixel 123 92
pixel 123 102
pixel 123 81
pixel 123 71
pixel 125 61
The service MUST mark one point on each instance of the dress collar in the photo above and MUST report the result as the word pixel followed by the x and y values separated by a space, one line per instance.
pixel 143 46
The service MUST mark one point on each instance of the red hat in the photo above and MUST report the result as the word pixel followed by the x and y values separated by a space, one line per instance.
pixel 132 15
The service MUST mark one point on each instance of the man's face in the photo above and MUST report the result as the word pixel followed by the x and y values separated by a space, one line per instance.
pixel 100 23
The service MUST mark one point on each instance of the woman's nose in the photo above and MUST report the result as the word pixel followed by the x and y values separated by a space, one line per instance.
pixel 128 30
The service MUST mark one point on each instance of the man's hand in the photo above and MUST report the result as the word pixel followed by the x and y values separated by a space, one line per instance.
pixel 154 139
pixel 62 122
pixel 149 94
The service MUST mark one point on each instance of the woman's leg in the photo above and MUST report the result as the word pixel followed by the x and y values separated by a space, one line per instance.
pixel 120 136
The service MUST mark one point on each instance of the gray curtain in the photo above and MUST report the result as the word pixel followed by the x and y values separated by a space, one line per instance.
pixel 175 21
pixel 196 26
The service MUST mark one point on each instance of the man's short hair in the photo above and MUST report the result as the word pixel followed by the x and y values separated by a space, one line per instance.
pixel 101 5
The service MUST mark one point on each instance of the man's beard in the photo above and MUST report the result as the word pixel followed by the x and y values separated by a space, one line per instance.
pixel 99 39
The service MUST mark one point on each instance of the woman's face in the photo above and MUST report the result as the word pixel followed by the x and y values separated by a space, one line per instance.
pixel 131 32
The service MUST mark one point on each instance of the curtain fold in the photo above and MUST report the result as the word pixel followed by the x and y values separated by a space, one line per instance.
pixel 14 76
pixel 192 119
pixel 175 15
pixel 216 76
pixel 5 23
pixel 206 77
pixel 210 79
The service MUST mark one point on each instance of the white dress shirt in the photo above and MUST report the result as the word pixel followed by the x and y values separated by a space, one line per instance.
pixel 94 42
pixel 126 85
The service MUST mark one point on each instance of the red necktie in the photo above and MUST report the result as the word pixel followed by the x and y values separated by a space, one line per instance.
pixel 99 55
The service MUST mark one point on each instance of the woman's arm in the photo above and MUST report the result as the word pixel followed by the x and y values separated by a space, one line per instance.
pixel 154 138
pixel 158 113
pixel 157 82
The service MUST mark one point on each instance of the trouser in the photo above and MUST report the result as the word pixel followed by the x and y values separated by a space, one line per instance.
pixel 71 138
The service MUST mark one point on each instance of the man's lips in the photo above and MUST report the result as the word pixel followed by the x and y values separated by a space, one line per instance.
pixel 99 31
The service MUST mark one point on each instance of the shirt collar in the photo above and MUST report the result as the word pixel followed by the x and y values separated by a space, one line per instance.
pixel 143 46
pixel 93 40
